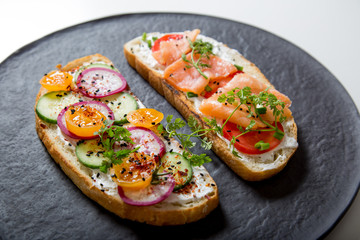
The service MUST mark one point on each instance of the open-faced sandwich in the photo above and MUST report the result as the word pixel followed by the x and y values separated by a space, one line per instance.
pixel 108 143
pixel 244 118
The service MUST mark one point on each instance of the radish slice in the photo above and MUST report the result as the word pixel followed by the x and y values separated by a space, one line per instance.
pixel 148 142
pixel 102 107
pixel 150 195
pixel 100 82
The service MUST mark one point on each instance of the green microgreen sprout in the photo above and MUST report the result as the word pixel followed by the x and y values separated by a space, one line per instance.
pixel 172 130
pixel 110 134
pixel 191 94
pixel 204 50
pixel 256 105
pixel 149 42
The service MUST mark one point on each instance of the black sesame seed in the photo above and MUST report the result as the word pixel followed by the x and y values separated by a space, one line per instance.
pixel 213 185
pixel 179 162
pixel 98 175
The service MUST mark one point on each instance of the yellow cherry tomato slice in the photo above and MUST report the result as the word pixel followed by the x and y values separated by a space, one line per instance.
pixel 135 172
pixel 83 120
pixel 56 81
pixel 145 117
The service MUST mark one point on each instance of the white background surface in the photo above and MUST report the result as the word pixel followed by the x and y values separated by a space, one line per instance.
pixel 327 30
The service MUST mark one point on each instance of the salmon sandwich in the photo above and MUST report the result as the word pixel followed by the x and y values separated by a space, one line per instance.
pixel 242 117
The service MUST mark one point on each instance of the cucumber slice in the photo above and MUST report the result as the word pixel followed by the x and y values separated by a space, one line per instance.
pixel 90 153
pixel 50 104
pixel 121 104
pixel 179 166
pixel 93 65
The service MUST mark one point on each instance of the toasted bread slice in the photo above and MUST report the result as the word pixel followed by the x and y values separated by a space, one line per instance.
pixel 249 167
pixel 180 208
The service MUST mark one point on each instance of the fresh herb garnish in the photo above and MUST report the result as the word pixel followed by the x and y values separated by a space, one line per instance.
pixel 261 145
pixel 256 105
pixel 172 129
pixel 208 88
pixel 203 49
pixel 191 94
pixel 109 135
pixel 148 41
pixel 239 68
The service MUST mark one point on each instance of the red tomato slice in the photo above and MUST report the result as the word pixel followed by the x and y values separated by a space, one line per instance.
pixel 246 142
pixel 218 83
pixel 168 37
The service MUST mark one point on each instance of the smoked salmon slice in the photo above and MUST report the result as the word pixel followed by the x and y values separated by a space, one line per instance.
pixel 172 48
pixel 180 76
pixel 212 107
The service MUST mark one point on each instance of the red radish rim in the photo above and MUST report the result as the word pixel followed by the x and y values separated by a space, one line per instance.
pixel 171 184
pixel 159 141
pixel 61 118
pixel 83 91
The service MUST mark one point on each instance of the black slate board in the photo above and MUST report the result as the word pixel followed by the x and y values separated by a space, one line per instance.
pixel 38 201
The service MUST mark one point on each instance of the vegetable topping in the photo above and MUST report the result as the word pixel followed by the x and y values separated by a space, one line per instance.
pixel 145 117
pixel 56 81
pixel 168 37
pixel 100 82
pixel 150 195
pixel 147 141
pixel 83 119
pixel 254 142
pixel 135 172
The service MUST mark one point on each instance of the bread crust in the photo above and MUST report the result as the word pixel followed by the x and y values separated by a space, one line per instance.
pixel 186 108
pixel 148 214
